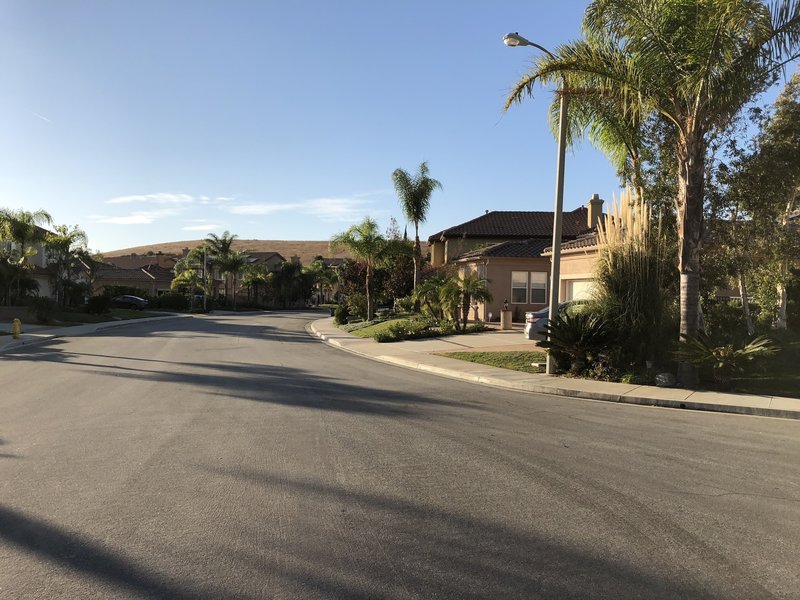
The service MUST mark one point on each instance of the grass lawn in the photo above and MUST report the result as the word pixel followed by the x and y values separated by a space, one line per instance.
pixel 71 318
pixel 518 361
pixel 369 329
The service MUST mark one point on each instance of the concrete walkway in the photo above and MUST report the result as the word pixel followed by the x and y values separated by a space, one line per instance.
pixel 421 355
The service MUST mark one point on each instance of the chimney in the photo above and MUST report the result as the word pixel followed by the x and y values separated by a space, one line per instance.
pixel 595 206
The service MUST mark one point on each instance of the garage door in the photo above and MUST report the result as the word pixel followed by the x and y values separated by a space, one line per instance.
pixel 579 289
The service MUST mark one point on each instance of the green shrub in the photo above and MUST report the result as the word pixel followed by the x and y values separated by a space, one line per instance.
pixel 357 305
pixel 404 305
pixel 404 329
pixel 724 321
pixel 43 308
pixel 581 336
pixel 172 301
pixel 98 305
pixel 341 314
pixel 725 360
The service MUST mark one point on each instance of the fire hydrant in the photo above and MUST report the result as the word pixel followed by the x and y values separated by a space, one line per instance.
pixel 16 328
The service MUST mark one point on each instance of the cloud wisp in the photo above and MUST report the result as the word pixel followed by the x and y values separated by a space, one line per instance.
pixel 161 198
pixel 202 226
pixel 144 217
pixel 42 117
pixel 343 210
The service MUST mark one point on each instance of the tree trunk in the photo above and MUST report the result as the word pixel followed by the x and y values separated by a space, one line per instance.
pixel 417 260
pixel 234 291
pixel 465 311
pixel 369 292
pixel 748 318
pixel 780 319
pixel 689 209
pixel 417 255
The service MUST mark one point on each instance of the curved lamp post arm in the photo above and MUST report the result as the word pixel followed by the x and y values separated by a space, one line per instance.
pixel 515 39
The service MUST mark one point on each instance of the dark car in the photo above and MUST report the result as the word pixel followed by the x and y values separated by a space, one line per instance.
pixel 134 302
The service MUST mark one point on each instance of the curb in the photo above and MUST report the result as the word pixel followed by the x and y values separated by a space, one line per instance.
pixel 532 387
pixel 40 338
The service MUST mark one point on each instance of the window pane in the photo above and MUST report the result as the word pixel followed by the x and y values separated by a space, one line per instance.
pixel 538 287
pixel 519 287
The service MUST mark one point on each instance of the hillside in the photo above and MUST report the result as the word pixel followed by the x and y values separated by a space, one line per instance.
pixel 286 248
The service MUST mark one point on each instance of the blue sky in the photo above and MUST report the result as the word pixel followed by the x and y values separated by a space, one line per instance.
pixel 151 121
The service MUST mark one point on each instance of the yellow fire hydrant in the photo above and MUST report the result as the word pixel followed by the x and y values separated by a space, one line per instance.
pixel 16 328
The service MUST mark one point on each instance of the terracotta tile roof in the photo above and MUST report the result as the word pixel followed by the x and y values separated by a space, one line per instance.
pixel 516 224
pixel 589 240
pixel 137 261
pixel 147 274
pixel 527 249
pixel 262 257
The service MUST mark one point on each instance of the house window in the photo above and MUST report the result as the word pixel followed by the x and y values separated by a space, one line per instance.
pixel 482 271
pixel 538 287
pixel 519 287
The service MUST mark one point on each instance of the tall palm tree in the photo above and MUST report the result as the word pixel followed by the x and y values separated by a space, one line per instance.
pixel 368 246
pixel 694 64
pixel 415 193
pixel 218 247
pixel 231 264
pixel 65 245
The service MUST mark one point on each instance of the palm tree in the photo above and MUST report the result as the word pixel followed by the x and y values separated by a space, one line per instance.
pixel 24 229
pixel 64 247
pixel 365 242
pixel 253 277
pixel 694 65
pixel 415 193
pixel 611 128
pixel 427 295
pixel 218 247
pixel 231 264
pixel 472 288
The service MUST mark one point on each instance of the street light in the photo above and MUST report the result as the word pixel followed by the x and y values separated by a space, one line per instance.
pixel 513 40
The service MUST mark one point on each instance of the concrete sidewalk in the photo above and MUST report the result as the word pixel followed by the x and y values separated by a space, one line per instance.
pixel 420 355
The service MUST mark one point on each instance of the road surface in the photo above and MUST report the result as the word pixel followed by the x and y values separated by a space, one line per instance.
pixel 235 456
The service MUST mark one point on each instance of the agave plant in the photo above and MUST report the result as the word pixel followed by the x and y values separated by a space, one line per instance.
pixel 725 360
pixel 582 336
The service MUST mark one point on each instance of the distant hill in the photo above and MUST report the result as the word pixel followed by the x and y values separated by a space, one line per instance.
pixel 306 251
pixel 286 248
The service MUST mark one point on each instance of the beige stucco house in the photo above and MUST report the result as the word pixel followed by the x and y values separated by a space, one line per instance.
pixel 510 249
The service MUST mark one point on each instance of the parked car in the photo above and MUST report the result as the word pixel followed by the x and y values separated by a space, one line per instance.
pixel 535 321
pixel 127 301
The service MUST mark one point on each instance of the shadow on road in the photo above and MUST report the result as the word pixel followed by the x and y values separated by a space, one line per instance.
pixel 252 381
pixel 77 553
pixel 376 547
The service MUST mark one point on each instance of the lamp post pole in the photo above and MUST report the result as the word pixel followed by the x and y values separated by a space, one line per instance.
pixel 514 39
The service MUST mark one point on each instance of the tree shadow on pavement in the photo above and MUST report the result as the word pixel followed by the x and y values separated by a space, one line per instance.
pixel 271 384
pixel 377 545
pixel 80 554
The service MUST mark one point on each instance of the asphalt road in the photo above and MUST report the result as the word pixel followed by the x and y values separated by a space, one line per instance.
pixel 238 457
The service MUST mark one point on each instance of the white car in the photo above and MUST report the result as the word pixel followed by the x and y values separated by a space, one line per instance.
pixel 535 321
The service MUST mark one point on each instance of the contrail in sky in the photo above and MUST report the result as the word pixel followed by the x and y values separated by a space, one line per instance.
pixel 42 117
